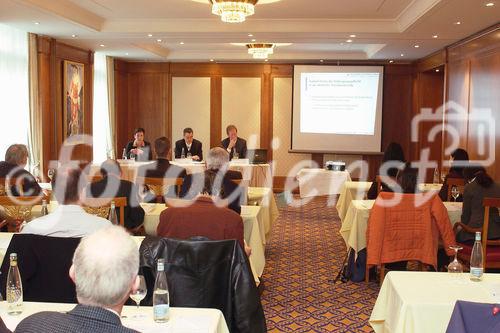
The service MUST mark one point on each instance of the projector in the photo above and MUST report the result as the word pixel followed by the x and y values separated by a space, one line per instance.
pixel 335 166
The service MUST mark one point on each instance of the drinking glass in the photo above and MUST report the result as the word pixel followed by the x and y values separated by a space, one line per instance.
pixel 443 177
pixel 236 155
pixel 50 173
pixel 189 155
pixel 139 294
pixel 455 266
pixel 455 193
pixel 132 156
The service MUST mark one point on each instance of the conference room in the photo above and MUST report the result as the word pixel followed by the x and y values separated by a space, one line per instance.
pixel 249 166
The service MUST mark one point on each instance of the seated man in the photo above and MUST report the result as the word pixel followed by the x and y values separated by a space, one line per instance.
pixel 189 146
pixel 112 186
pixel 16 158
pixel 234 145
pixel 206 217
pixel 104 270
pixel 217 166
pixel 68 219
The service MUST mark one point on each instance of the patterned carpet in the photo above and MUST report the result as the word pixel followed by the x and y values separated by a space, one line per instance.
pixel 303 256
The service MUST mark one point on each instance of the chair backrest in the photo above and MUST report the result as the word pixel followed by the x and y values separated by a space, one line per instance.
pixel 454 182
pixel 160 186
pixel 19 208
pixel 488 203
pixel 383 180
pixel 7 183
pixel 101 206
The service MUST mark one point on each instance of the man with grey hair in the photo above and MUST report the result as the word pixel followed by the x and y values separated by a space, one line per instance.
pixel 16 159
pixel 105 266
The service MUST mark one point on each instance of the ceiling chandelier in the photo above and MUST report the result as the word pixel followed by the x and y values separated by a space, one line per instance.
pixel 233 11
pixel 260 51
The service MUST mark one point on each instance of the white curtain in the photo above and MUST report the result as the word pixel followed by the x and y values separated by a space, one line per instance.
pixel 103 146
pixel 110 62
pixel 35 128
pixel 14 87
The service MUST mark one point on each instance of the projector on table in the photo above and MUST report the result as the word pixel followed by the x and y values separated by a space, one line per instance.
pixel 335 165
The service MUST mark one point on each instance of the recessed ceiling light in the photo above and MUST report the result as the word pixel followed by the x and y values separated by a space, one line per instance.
pixel 150 35
pixel 211 60
pixel 266 60
pixel 458 23
pixel 253 40
pixel 102 45
pixel 182 43
pixel 158 40
pixel 250 35
pixel 74 36
pixel 352 36
pixel 391 61
pixel 437 69
pixel 321 60
pixel 490 4
pixel 435 36
pixel 126 53
pixel 349 40
pixel 37 23
pixel 402 54
pixel 416 46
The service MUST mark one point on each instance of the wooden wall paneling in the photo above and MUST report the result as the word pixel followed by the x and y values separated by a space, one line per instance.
pixel 266 117
pixel 215 111
pixel 432 61
pixel 169 108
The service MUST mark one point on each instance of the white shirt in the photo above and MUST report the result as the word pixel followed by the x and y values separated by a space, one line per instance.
pixel 66 221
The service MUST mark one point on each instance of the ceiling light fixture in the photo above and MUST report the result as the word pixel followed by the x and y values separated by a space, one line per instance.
pixel 158 40
pixel 391 61
pixel 352 36
pixel 250 35
pixel 260 51
pixel 321 60
pixel 490 4
pixel 74 36
pixel 150 35
pixel 126 53
pixel 349 40
pixel 416 46
pixel 37 23
pixel 458 23
pixel 435 36
pixel 102 45
pixel 211 60
pixel 182 43
pixel 402 54
pixel 437 70
pixel 233 11
pixel 253 40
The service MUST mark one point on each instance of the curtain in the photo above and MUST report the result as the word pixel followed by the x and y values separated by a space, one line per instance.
pixel 110 67
pixel 35 117
pixel 14 87
pixel 102 146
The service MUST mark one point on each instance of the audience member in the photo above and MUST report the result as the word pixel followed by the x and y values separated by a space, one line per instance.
pixel 479 185
pixel 104 271
pixel 111 186
pixel 68 219
pixel 459 159
pixel 139 149
pixel 393 154
pixel 191 147
pixel 16 159
pixel 234 144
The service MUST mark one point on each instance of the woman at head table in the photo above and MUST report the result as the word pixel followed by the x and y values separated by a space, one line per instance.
pixel 139 149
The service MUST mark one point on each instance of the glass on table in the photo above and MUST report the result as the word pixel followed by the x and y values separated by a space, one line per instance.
pixel 50 174
pixel 139 295
pixel 455 192
pixel 455 266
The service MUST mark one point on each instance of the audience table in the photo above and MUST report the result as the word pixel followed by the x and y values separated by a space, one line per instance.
pixel 355 223
pixel 320 182
pixel 182 320
pixel 257 175
pixel 358 191
pixel 414 302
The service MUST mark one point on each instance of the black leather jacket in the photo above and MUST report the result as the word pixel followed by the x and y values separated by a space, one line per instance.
pixel 206 274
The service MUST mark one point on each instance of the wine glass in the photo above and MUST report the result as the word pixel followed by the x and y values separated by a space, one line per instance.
pixel 443 177
pixel 132 156
pixel 189 155
pixel 455 266
pixel 50 174
pixel 455 192
pixel 236 155
pixel 139 294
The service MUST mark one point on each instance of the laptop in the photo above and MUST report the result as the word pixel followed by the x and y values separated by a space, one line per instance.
pixel 257 156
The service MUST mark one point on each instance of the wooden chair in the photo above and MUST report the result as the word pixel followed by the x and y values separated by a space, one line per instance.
pixel 491 258
pixel 18 210
pixel 454 182
pixel 101 206
pixel 159 186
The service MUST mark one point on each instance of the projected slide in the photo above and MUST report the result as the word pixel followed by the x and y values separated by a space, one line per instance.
pixel 338 103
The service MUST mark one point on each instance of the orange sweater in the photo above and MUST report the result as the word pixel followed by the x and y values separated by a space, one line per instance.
pixel 407 232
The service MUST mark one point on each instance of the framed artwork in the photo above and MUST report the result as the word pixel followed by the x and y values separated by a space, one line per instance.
pixel 73 98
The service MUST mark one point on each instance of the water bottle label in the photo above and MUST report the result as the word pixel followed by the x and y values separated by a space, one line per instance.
pixel 161 310
pixel 476 272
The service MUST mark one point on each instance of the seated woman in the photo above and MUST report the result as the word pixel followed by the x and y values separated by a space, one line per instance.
pixel 459 159
pixel 139 149
pixel 479 186
pixel 393 154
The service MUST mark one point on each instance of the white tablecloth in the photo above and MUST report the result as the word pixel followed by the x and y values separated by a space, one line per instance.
pixel 264 198
pixel 182 320
pixel 355 223
pixel 422 302
pixel 319 182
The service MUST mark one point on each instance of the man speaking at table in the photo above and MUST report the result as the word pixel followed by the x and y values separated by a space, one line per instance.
pixel 104 270
pixel 188 146
pixel 235 146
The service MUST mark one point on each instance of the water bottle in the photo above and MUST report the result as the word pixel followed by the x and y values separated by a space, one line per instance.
pixel 161 303
pixel 14 288
pixel 45 210
pixel 183 154
pixel 476 260
pixel 436 176
pixel 112 214
pixel 124 154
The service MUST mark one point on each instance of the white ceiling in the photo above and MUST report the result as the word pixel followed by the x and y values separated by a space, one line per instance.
pixel 316 29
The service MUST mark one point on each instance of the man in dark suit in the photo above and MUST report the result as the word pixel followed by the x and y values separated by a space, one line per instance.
pixel 189 146
pixel 227 188
pixel 112 186
pixel 16 158
pixel 101 292
pixel 233 144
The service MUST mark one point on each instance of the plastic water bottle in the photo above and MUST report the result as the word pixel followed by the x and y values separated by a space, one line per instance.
pixel 161 301
pixel 112 214
pixel 14 288
pixel 124 154
pixel 183 153
pixel 476 260
pixel 45 210
pixel 436 176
